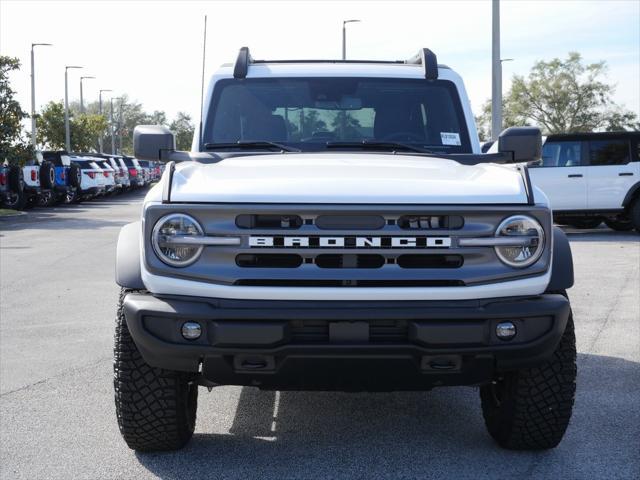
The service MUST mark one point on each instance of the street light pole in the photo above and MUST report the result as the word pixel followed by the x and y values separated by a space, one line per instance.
pixel 67 133
pixel 113 138
pixel 33 94
pixel 100 110
pixel 81 99
pixel 344 37
pixel 496 72
pixel 120 128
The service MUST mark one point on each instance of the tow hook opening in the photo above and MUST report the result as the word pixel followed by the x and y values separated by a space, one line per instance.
pixel 441 363
pixel 254 363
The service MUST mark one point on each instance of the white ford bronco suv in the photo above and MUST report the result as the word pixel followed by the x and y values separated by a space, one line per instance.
pixel 591 177
pixel 335 227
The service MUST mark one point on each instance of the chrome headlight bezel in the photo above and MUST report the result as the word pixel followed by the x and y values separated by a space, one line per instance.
pixel 156 244
pixel 533 258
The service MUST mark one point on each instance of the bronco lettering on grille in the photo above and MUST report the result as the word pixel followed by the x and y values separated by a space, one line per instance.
pixel 348 242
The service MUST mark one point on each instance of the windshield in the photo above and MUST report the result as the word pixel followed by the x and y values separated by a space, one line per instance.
pixel 309 113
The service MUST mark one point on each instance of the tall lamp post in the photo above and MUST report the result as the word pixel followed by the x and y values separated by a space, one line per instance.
pixel 496 72
pixel 81 98
pixel 33 93
pixel 120 127
pixel 113 138
pixel 100 110
pixel 67 133
pixel 344 37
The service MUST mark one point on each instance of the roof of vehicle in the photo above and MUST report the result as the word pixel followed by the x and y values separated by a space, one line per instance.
pixel 332 69
pixel 422 65
pixel 595 135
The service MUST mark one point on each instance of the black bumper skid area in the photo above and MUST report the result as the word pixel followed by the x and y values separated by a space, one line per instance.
pixel 345 344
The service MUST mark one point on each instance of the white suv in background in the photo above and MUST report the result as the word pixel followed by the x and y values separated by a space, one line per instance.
pixel 592 177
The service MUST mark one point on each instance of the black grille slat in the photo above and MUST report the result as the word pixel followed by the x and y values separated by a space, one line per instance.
pixel 430 261
pixel 431 222
pixel 268 260
pixel 317 331
pixel 286 222
pixel 349 261
pixel 350 222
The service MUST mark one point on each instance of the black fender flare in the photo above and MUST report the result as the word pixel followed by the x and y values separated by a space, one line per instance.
pixel 562 263
pixel 633 192
pixel 128 274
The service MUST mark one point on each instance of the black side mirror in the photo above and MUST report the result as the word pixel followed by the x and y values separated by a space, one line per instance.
pixel 149 141
pixel 523 143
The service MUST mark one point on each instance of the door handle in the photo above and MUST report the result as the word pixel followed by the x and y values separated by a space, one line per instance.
pixel 575 175
pixel 625 174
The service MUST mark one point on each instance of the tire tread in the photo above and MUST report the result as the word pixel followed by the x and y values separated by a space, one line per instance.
pixel 156 408
pixel 535 412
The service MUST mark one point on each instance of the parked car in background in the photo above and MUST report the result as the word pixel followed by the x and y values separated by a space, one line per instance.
pixel 32 187
pixel 146 170
pixel 109 174
pixel 121 173
pixel 12 194
pixel 92 179
pixel 66 178
pixel 592 177
pixel 136 173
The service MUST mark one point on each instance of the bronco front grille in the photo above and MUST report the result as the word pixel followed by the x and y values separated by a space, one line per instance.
pixel 345 245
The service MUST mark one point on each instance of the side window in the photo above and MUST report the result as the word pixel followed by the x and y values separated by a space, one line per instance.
pixel 609 152
pixel 561 154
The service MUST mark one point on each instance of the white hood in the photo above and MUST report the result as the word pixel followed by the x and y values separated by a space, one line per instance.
pixel 346 178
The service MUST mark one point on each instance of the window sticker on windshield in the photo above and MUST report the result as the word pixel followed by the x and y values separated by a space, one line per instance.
pixel 449 138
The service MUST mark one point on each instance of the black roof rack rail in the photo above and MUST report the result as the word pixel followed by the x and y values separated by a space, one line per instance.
pixel 429 60
pixel 242 63
pixel 424 57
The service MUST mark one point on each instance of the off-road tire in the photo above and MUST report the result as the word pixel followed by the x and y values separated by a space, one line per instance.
pixel 619 224
pixel 16 179
pixel 156 408
pixel 75 175
pixel 530 409
pixel 16 200
pixel 585 223
pixel 47 175
pixel 46 199
pixel 634 213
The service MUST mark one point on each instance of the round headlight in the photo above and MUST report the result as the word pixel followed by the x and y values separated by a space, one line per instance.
pixel 167 235
pixel 528 241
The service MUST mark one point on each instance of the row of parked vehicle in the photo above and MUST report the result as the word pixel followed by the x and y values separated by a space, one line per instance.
pixel 61 177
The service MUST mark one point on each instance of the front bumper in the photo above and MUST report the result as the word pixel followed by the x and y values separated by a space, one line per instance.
pixel 411 345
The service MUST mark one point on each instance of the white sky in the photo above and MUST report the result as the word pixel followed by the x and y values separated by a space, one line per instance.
pixel 152 49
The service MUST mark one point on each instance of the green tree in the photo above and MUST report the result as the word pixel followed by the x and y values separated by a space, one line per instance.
pixel 312 123
pixel 13 147
pixel 347 125
pixel 183 129
pixel 85 128
pixel 562 96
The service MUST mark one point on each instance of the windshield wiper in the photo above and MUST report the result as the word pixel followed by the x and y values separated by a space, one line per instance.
pixel 248 145
pixel 377 145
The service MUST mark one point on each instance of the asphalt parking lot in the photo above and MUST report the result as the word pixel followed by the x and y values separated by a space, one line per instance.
pixel 57 417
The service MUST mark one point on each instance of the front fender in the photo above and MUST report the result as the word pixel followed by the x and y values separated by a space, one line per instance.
pixel 128 273
pixel 562 265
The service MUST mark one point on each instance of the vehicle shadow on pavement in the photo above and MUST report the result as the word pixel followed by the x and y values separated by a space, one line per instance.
pixel 601 234
pixel 437 434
